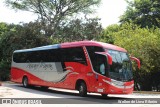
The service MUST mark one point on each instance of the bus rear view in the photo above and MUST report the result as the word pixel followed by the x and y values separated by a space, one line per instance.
pixel 86 66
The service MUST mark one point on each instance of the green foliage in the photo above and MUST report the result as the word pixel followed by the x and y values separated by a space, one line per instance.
pixel 106 35
pixel 78 29
pixel 18 37
pixel 145 13
pixel 143 43
pixel 4 70
pixel 3 28
pixel 51 13
pixel 140 34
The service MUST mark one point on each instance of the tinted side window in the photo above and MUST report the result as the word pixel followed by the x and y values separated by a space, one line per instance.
pixel 75 54
pixel 52 55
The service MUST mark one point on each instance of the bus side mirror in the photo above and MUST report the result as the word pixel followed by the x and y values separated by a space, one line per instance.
pixel 137 60
pixel 109 57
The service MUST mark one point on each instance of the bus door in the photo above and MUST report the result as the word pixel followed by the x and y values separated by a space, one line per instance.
pixel 99 67
pixel 101 71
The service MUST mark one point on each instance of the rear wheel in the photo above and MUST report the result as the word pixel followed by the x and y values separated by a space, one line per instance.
pixel 25 82
pixel 82 89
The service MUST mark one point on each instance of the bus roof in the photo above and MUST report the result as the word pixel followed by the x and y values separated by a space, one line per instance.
pixel 75 44
pixel 92 43
pixel 55 46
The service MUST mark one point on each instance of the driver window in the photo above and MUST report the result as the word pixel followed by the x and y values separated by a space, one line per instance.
pixel 99 62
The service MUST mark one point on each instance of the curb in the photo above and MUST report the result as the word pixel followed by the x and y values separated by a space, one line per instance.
pixel 10 82
pixel 146 92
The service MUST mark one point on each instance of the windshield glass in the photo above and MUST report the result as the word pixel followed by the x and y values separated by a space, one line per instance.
pixel 121 66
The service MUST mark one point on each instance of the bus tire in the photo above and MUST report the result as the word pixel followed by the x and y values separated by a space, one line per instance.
pixel 44 87
pixel 25 82
pixel 82 89
pixel 104 95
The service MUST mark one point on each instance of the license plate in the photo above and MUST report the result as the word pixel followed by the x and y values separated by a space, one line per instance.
pixel 100 90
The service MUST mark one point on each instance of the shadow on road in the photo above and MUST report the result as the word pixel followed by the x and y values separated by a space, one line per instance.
pixel 73 98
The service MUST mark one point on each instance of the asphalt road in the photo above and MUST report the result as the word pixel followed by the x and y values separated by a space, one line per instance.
pixel 61 96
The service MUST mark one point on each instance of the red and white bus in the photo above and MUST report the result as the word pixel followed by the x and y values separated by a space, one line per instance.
pixel 86 66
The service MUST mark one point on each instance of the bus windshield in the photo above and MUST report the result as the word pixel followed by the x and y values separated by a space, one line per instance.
pixel 121 66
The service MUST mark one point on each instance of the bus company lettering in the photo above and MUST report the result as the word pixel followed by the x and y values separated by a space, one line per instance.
pixel 44 66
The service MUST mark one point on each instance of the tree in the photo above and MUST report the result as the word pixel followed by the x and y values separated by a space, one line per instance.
pixel 106 35
pixel 78 29
pixel 145 13
pixel 18 37
pixel 3 28
pixel 53 12
pixel 143 43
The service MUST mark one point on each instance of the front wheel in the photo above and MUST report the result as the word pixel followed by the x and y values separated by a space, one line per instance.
pixel 82 89
pixel 25 82
pixel 44 87
pixel 104 95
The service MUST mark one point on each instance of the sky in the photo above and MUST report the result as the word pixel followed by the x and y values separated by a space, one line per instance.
pixel 109 11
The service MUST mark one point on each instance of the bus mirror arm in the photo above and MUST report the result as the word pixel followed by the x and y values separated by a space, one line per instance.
pixel 137 60
pixel 109 57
